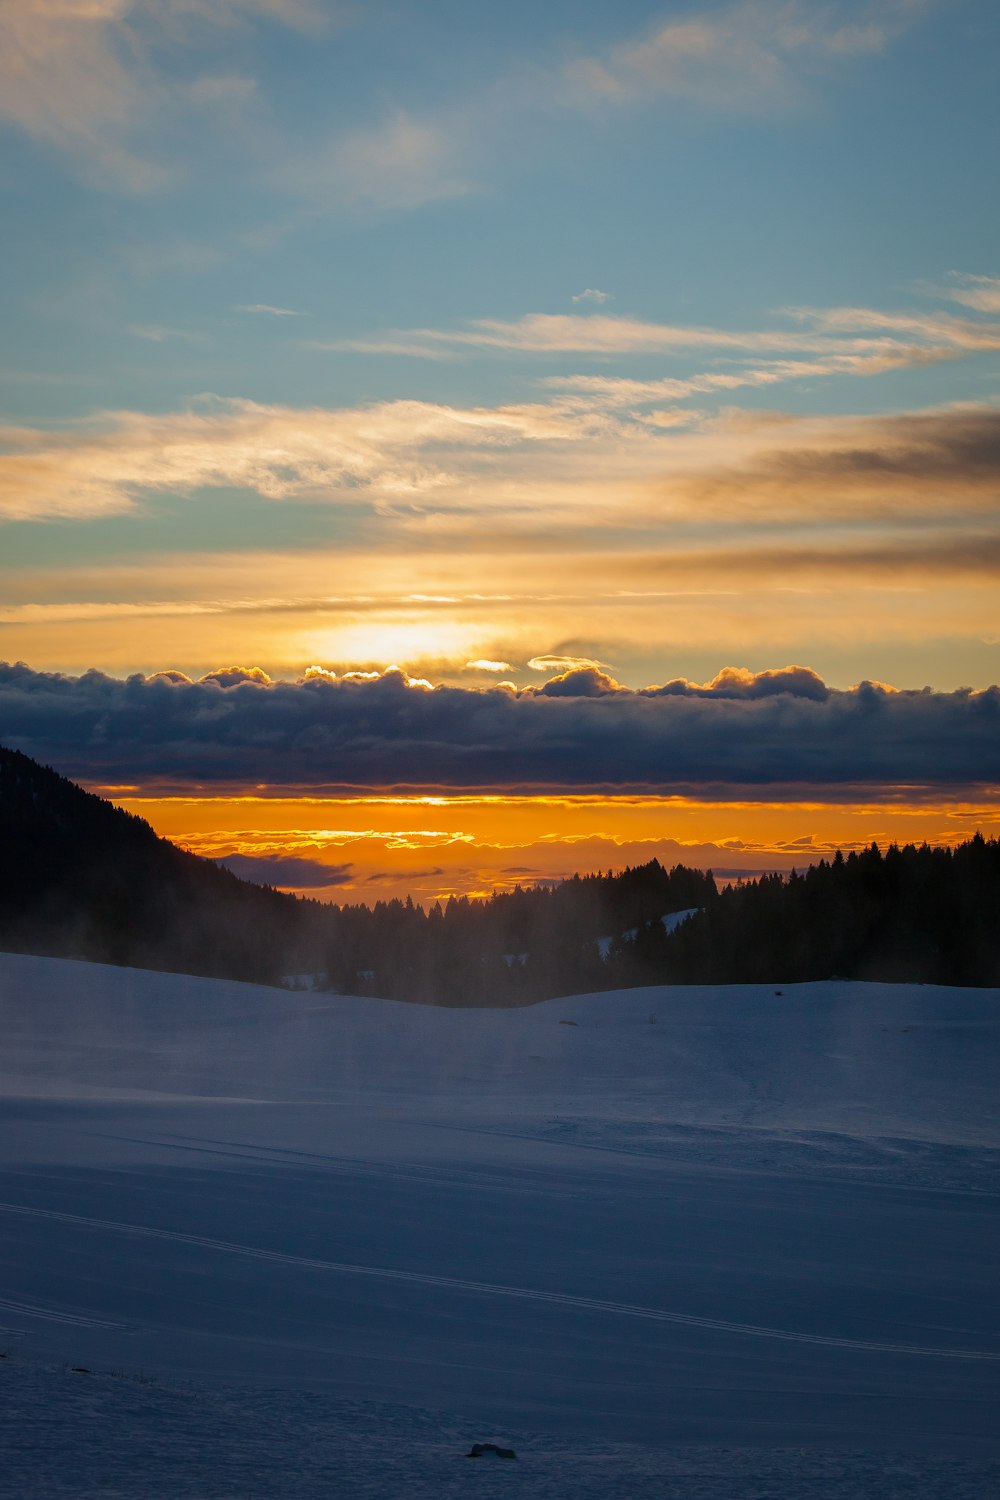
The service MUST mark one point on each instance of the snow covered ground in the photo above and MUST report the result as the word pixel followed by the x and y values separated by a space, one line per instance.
pixel 714 1244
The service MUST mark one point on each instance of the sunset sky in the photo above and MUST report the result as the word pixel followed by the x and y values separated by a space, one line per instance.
pixel 447 445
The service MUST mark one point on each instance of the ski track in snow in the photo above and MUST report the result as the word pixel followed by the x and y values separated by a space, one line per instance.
pixel 50 1315
pixel 825 1159
pixel 485 1288
pixel 268 1156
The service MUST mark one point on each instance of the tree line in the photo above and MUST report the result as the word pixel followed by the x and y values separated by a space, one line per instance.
pixel 911 914
pixel 514 947
pixel 80 878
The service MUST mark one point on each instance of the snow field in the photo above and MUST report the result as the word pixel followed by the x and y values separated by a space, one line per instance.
pixel 709 1243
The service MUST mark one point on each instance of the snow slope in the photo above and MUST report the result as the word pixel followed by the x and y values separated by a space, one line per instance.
pixel 707 1242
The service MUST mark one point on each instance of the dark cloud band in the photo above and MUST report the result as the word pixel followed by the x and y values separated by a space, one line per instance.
pixel 290 872
pixel 577 732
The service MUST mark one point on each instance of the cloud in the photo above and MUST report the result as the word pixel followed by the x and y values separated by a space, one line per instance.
pixel 80 76
pixel 265 307
pixel 955 451
pixel 979 292
pixel 531 466
pixel 617 391
pixel 747 729
pixel 110 85
pixel 748 57
pixel 942 330
pixel 563 663
pixel 289 872
pixel 579 682
pixel 398 164
pixel 486 665
pixel 156 333
pixel 396 451
pixel 591 294
pixel 739 682
pixel 839 335
pixel 64 82
pixel 565 333
pixel 231 676
pixel 751 57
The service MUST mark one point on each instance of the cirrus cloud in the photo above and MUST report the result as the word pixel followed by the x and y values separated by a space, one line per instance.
pixel 561 457
pixel 81 76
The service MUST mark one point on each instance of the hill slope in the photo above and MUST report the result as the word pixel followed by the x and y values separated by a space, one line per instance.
pixel 80 878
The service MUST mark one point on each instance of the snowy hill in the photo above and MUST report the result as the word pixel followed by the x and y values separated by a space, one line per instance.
pixel 712 1242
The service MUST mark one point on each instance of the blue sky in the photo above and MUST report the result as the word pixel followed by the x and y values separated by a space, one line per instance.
pixel 656 337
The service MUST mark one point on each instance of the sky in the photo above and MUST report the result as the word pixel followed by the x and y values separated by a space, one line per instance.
pixel 447 446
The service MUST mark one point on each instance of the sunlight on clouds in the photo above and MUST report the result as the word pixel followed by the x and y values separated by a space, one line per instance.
pixel 563 663
pixel 485 843
pixel 606 521
pixel 781 596
pixel 837 333
pixel 410 638
pixel 422 460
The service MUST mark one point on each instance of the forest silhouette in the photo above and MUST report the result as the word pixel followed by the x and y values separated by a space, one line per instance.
pixel 80 878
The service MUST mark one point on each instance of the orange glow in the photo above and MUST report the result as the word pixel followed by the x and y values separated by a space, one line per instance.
pixel 432 847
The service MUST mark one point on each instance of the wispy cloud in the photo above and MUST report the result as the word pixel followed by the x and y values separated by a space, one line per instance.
pixel 266 309
pixel 158 333
pixel 840 333
pixel 64 81
pixel 638 574
pixel 979 292
pixel 81 77
pixel 401 163
pixel 941 329
pixel 592 294
pixel 668 570
pixel 753 57
pixel 97 80
pixel 396 452
pixel 748 56
pixel 544 461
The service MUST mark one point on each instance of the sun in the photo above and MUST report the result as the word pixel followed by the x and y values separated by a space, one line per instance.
pixel 407 640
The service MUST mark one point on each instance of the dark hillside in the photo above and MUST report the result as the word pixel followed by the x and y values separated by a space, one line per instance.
pixel 80 878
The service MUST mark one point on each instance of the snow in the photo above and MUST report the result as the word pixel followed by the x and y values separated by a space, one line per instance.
pixel 717 1243
pixel 671 922
pixel 674 919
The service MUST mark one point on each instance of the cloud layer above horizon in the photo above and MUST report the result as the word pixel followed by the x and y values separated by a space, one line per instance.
pixel 578 731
